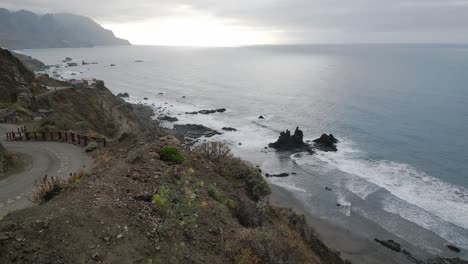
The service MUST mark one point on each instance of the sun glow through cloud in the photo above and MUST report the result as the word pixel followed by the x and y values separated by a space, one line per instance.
pixel 189 27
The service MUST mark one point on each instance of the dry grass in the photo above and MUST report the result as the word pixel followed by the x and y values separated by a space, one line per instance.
pixel 47 188
pixel 278 244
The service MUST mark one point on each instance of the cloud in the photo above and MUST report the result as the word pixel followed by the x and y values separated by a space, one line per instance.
pixel 300 20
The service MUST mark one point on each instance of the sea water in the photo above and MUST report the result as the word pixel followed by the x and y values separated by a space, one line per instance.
pixel 399 111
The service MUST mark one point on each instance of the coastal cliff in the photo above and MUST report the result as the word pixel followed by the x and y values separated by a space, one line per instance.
pixel 145 201
pixel 26 30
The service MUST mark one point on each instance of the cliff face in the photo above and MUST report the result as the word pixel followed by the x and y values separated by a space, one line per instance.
pixel 16 82
pixel 26 30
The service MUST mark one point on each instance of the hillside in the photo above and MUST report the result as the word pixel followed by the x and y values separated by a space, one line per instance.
pixel 26 30
pixel 16 82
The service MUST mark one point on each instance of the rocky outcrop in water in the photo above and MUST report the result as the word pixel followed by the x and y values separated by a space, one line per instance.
pixel 168 118
pixel 286 141
pixel 326 143
pixel 195 131
pixel 123 95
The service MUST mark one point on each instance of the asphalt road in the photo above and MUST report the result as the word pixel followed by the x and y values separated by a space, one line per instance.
pixel 48 158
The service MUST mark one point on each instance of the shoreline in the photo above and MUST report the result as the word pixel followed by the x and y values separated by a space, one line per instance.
pixel 351 246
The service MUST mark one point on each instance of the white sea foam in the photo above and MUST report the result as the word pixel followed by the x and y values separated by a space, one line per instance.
pixel 447 201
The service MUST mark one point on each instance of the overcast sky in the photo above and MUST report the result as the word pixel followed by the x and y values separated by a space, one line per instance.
pixel 269 21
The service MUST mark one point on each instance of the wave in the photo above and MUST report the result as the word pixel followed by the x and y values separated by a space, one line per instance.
pixel 440 198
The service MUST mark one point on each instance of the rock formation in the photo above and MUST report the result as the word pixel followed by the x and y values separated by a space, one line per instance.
pixel 286 141
pixel 326 143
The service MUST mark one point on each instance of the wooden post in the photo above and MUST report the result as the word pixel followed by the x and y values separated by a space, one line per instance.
pixel 35 136
pixel 66 136
pixel 13 133
pixel 26 135
pixel 105 142
pixel 43 134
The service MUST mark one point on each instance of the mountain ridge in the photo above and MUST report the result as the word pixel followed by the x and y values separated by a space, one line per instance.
pixel 26 30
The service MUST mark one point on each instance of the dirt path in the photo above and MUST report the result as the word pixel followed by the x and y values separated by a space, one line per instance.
pixel 51 91
pixel 48 158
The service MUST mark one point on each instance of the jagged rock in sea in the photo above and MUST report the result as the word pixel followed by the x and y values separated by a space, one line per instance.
pixel 286 141
pixel 326 143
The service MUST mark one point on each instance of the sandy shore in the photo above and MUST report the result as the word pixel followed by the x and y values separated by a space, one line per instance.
pixel 353 247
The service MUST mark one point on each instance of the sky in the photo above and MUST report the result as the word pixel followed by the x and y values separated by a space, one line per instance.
pixel 252 22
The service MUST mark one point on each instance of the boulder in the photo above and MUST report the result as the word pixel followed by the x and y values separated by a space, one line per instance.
pixel 221 110
pixel 326 143
pixel 286 141
pixel 123 95
pixel 169 140
pixel 389 244
pixel 72 64
pixel 261 117
pixel 231 129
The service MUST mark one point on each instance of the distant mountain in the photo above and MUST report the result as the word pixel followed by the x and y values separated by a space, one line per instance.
pixel 26 30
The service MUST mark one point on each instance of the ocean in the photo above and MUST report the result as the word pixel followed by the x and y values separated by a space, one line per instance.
pixel 399 111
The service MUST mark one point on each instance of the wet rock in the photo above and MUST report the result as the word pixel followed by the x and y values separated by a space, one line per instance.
pixel 231 129
pixel 112 65
pixel 146 98
pixel 207 112
pixel 261 117
pixel 221 110
pixel 286 141
pixel 326 143
pixel 195 131
pixel 169 118
pixel 72 64
pixel 67 59
pixel 139 61
pixel 191 113
pixel 389 244
pixel 280 175
pixel 328 189
pixel 123 95
pixel 454 248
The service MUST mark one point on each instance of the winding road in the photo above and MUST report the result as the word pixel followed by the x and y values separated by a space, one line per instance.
pixel 47 158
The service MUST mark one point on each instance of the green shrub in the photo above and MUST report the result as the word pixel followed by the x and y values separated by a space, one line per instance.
pixel 221 198
pixel 176 206
pixel 92 146
pixel 255 184
pixel 172 154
